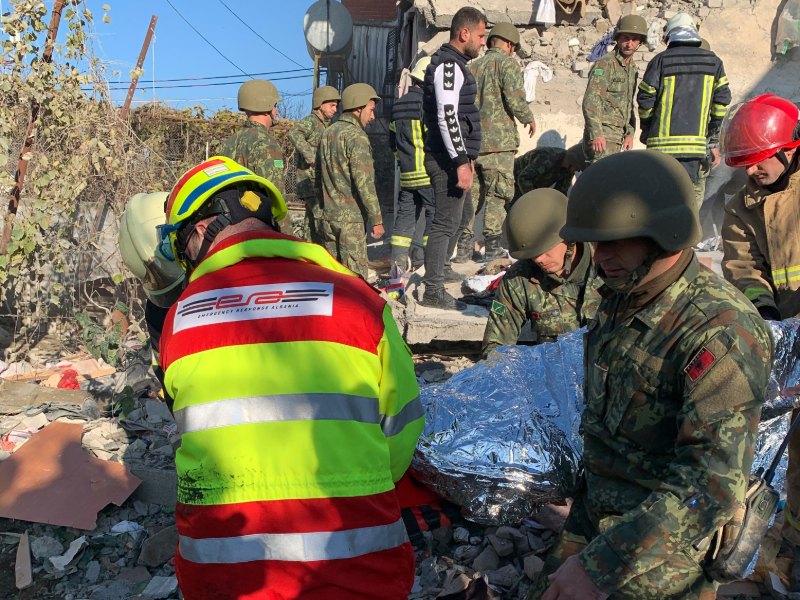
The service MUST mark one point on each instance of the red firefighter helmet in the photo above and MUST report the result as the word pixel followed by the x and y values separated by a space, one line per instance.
pixel 755 130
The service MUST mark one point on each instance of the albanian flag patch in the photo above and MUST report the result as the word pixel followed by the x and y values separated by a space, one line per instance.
pixel 701 363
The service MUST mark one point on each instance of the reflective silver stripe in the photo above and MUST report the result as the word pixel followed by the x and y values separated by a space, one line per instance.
pixel 286 407
pixel 395 424
pixel 296 547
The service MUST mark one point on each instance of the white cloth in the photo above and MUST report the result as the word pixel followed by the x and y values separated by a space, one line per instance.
pixel 546 12
pixel 534 70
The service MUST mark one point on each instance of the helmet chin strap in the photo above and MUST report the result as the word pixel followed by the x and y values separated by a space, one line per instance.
pixel 625 284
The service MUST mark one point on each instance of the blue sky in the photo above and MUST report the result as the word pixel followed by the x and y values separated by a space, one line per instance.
pixel 177 52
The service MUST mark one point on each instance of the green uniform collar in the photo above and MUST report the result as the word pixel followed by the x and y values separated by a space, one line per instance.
pixel 349 117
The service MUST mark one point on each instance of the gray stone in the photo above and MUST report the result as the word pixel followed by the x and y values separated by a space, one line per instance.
pixel 160 587
pixel 113 591
pixel 535 542
pixel 714 3
pixel 142 509
pixel 461 535
pixel 157 411
pixel 466 553
pixel 546 39
pixel 92 571
pixel 455 583
pixel 505 577
pixel 601 26
pixel 159 548
pixel 90 409
pixel 476 540
pixel 136 449
pixel 159 486
pixel 443 535
pixel 428 576
pixel 579 65
pixel 486 560
pixel 502 546
pixel 532 565
pixel 46 547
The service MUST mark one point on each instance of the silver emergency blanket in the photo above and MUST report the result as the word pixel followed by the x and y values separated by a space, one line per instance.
pixel 502 437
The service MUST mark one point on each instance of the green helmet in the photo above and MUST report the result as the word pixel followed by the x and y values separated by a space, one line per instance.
pixel 326 93
pixel 258 96
pixel 358 95
pixel 534 221
pixel 506 31
pixel 640 193
pixel 633 24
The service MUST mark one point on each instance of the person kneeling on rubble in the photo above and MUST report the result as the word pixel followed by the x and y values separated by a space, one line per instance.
pixel 553 284
pixel 676 367
pixel 296 400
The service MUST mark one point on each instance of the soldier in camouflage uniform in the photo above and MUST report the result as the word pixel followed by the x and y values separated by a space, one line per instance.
pixel 608 112
pixel 677 364
pixel 547 167
pixel 500 98
pixel 254 146
pixel 305 137
pixel 346 178
pixel 553 284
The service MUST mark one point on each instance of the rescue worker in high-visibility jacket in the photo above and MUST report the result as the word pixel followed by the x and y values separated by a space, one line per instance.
pixel 682 99
pixel 297 403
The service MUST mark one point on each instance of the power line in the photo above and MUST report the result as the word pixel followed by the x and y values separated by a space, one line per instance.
pixel 243 22
pixel 196 85
pixel 205 39
pixel 149 81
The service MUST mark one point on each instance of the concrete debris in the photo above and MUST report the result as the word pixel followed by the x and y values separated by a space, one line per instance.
pixel 23 573
pixel 159 548
pixel 61 562
pixel 46 547
pixel 160 587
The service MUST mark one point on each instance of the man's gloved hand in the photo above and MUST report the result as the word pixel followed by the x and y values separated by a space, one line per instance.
pixel 769 313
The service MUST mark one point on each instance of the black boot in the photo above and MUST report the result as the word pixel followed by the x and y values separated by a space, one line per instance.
pixel 493 249
pixel 463 249
pixel 451 276
pixel 441 299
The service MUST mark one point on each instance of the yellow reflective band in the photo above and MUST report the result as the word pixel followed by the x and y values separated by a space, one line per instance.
pixel 646 87
pixel 267 248
pixel 718 110
pixel 419 155
pixel 393 126
pixel 705 105
pixel 294 547
pixel 722 81
pixel 400 241
pixel 667 100
pixel 786 275
pixel 754 292
pixel 645 113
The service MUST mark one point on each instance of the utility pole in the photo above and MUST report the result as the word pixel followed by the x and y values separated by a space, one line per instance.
pixel 27 147
pixel 135 79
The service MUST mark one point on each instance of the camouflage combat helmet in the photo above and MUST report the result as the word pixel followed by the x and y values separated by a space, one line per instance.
pixel 326 93
pixel 640 193
pixel 258 96
pixel 633 24
pixel 506 31
pixel 358 95
pixel 534 221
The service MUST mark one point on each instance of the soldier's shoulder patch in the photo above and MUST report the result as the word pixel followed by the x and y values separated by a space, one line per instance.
pixel 598 71
pixel 278 163
pixel 700 363
pixel 498 308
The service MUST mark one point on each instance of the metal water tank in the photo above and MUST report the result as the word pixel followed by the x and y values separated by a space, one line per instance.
pixel 328 28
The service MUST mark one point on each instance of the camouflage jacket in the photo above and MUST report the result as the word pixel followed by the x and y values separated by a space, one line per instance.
pixel 608 102
pixel 305 137
pixel 541 168
pixel 673 394
pixel 553 305
pixel 254 147
pixel 500 98
pixel 346 174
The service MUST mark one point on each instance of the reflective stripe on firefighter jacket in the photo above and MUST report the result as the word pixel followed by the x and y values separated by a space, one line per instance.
pixel 682 100
pixel 407 139
pixel 298 407
pixel 761 244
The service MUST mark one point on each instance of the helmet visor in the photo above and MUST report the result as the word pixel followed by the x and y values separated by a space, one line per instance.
pixel 752 132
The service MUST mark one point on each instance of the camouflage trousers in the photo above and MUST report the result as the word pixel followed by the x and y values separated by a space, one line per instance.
pixel 613 146
pixel 313 215
pixel 700 184
pixel 347 243
pixel 493 185
pixel 678 577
